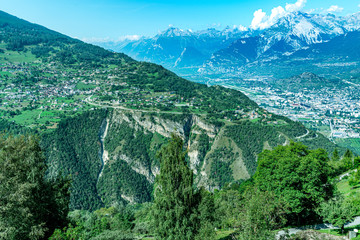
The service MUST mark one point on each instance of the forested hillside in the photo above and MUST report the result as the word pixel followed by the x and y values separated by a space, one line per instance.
pixel 103 116
pixel 122 167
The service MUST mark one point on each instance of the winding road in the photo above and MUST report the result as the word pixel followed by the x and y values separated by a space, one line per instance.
pixel 302 136
pixel 88 100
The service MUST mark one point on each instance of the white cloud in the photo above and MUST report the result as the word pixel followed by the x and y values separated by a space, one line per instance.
pixel 300 4
pixel 257 21
pixel 359 5
pixel 240 27
pixel 261 20
pixel 129 37
pixel 335 8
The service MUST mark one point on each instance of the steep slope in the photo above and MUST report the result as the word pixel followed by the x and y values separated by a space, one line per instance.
pixel 103 117
pixel 218 152
pixel 341 49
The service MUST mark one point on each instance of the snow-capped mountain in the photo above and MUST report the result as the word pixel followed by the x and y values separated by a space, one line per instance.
pixel 289 34
pixel 232 49
pixel 352 22
pixel 176 48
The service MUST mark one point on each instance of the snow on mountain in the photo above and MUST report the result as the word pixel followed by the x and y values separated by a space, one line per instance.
pixel 352 22
pixel 175 48
pixel 300 29
pixel 291 33
pixel 174 32
pixel 237 46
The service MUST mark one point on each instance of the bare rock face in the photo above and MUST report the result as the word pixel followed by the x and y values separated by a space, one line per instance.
pixel 182 125
pixel 215 156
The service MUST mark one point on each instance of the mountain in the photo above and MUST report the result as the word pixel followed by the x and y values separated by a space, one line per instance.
pixel 340 49
pixel 176 48
pixel 335 58
pixel 291 33
pixel 352 22
pixel 233 52
pixel 102 117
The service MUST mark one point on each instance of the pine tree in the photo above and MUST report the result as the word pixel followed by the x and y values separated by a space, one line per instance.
pixel 205 215
pixel 31 207
pixel 173 213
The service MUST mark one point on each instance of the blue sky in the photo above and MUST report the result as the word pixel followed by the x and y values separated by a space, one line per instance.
pixel 112 19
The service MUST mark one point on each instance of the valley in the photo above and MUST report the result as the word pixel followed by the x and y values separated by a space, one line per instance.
pixel 254 131
pixel 332 109
pixel 305 66
pixel 68 91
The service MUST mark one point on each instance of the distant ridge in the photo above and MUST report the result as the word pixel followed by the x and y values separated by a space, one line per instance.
pixel 244 50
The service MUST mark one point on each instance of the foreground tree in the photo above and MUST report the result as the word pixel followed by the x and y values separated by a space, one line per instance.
pixel 229 205
pixel 338 212
pixel 262 212
pixel 297 175
pixel 178 211
pixel 354 178
pixel 31 207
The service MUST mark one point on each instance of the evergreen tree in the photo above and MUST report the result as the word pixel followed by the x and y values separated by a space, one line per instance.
pixel 347 160
pixel 205 215
pixel 178 211
pixel 228 208
pixel 354 178
pixel 348 154
pixel 174 194
pixel 31 207
pixel 357 162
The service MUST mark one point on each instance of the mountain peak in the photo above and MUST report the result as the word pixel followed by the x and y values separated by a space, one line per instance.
pixel 175 32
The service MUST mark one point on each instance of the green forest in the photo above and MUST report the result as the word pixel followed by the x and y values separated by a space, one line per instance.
pixel 292 186
pixel 95 145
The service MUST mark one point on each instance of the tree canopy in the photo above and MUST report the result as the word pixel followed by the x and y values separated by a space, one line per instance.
pixel 179 212
pixel 31 207
pixel 297 175
pixel 338 212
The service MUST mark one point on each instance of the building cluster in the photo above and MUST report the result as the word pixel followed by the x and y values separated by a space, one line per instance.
pixel 333 111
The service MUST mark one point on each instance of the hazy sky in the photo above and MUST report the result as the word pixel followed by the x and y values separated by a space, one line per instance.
pixel 86 19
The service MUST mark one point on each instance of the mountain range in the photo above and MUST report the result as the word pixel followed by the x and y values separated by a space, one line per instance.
pixel 102 116
pixel 245 51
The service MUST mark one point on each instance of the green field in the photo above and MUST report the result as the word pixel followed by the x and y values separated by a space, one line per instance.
pixel 337 232
pixel 17 57
pixel 344 188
